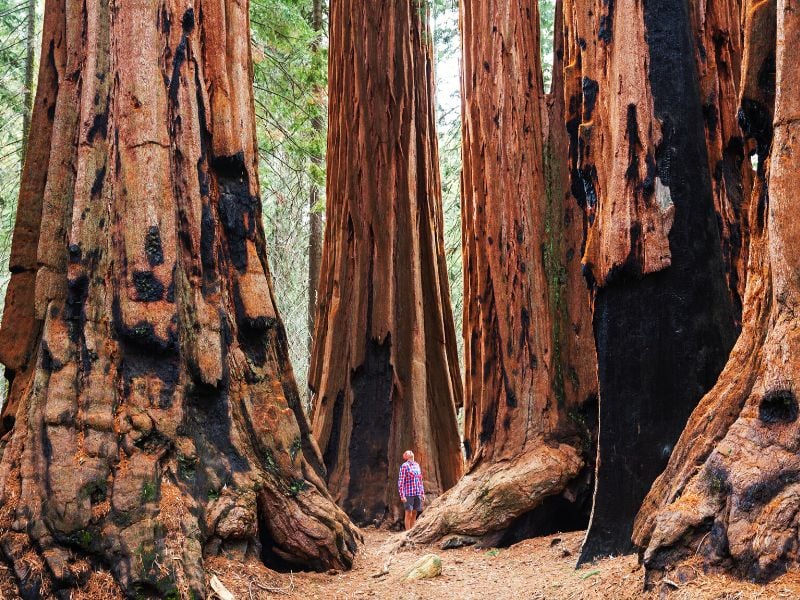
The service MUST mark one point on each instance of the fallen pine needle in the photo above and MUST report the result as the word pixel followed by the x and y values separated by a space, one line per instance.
pixel 590 574
pixel 701 543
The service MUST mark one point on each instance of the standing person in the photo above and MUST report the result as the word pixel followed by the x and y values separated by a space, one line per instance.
pixel 412 492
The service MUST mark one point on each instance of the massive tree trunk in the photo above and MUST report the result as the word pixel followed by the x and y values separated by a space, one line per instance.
pixel 718 54
pixel 153 414
pixel 525 379
pixel 663 321
pixel 315 221
pixel 729 494
pixel 384 370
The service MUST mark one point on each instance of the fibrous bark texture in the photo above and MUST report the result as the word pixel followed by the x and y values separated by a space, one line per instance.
pixel 384 369
pixel 662 318
pixel 566 223
pixel 523 393
pixel 153 416
pixel 575 355
pixel 730 492
pixel 718 53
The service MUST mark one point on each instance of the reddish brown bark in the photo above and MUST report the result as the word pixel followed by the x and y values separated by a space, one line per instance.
pixel 729 494
pixel 570 297
pixel 565 231
pixel 153 414
pixel 521 331
pixel 662 318
pixel 617 139
pixel 718 53
pixel 384 369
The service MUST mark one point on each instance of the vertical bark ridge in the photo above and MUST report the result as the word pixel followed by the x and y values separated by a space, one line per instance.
pixel 17 342
pixel 150 371
pixel 570 299
pixel 384 370
pixel 718 52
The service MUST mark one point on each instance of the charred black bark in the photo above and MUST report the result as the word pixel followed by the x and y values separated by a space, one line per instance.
pixel 662 339
pixel 371 412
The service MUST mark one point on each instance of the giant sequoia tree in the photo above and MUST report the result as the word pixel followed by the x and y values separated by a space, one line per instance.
pixel 663 320
pixel 730 491
pixel 528 349
pixel 384 368
pixel 153 417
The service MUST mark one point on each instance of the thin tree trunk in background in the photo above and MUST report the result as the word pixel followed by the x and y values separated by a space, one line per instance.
pixel 718 53
pixel 153 414
pixel 524 449
pixel 30 59
pixel 662 317
pixel 384 369
pixel 729 493
pixel 315 221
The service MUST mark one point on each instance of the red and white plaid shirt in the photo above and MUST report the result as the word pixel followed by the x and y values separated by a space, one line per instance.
pixel 410 481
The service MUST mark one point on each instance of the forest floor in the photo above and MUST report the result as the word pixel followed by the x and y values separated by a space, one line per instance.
pixel 535 569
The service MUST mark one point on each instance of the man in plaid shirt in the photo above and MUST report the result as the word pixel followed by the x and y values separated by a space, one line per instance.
pixel 409 484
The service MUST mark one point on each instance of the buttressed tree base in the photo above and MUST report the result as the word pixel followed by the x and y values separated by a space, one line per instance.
pixel 153 417
pixel 729 493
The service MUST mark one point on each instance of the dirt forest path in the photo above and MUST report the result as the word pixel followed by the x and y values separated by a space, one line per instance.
pixel 536 569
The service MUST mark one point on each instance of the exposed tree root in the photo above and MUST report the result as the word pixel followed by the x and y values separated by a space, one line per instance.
pixel 488 498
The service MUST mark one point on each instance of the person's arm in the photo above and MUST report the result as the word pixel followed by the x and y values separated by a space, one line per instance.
pixel 401 481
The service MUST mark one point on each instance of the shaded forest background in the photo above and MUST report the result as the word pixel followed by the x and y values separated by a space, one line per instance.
pixel 290 83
